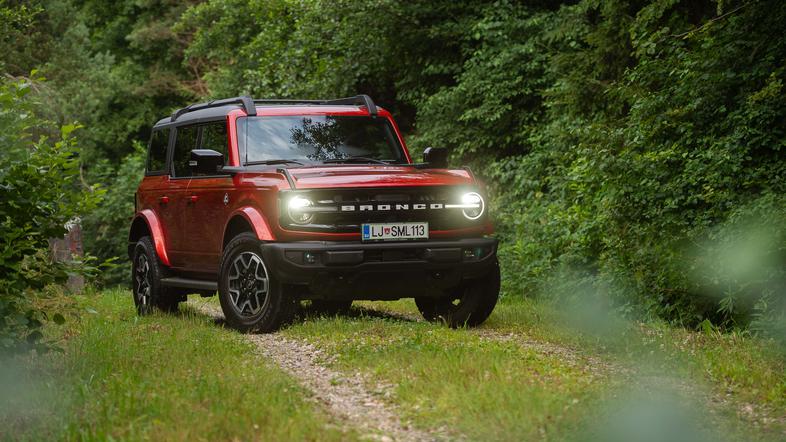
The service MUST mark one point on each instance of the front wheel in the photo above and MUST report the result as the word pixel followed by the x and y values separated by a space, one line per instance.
pixel 469 305
pixel 250 298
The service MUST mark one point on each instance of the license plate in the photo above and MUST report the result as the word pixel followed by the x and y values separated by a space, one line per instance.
pixel 394 231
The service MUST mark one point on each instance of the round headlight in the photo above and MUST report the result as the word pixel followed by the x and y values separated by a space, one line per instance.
pixel 297 210
pixel 472 205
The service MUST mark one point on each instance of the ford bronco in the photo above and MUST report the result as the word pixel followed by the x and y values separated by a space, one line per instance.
pixel 273 202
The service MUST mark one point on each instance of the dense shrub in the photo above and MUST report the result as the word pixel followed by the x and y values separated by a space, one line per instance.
pixel 39 194
pixel 108 223
pixel 670 147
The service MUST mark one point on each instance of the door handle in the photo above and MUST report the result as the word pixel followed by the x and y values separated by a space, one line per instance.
pixel 193 199
pixel 163 200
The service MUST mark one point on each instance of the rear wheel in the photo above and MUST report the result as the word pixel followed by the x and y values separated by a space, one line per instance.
pixel 469 305
pixel 250 298
pixel 146 274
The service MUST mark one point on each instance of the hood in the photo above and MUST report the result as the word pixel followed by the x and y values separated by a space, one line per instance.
pixel 376 176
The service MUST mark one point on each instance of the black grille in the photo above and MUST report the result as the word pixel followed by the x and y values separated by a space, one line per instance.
pixel 412 204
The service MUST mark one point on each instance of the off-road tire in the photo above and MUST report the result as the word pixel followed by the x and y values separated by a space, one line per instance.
pixel 276 310
pixel 157 296
pixel 468 305
pixel 330 308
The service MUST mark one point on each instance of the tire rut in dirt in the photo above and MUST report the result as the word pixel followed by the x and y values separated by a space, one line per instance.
pixel 345 396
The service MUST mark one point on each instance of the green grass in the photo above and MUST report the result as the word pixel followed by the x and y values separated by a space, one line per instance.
pixel 182 377
pixel 752 369
pixel 503 391
pixel 485 390
pixel 158 378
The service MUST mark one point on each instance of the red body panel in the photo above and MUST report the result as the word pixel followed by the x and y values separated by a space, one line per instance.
pixel 204 218
pixel 376 176
pixel 256 221
pixel 188 229
pixel 155 228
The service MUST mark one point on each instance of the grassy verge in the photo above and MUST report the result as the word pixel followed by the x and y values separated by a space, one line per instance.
pixel 743 367
pixel 494 389
pixel 523 375
pixel 156 378
pixel 751 369
pixel 485 390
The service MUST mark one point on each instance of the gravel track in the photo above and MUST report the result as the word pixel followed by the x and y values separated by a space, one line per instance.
pixel 345 396
pixel 348 399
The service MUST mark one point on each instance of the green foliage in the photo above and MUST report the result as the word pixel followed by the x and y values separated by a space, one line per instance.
pixel 20 38
pixel 396 51
pixel 612 135
pixel 109 222
pixel 643 139
pixel 39 192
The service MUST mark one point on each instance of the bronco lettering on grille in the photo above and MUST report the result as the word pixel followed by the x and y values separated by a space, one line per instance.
pixel 389 207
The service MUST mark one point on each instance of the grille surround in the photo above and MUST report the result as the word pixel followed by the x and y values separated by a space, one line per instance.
pixel 379 205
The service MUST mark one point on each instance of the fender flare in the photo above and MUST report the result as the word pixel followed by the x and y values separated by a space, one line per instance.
pixel 157 233
pixel 256 220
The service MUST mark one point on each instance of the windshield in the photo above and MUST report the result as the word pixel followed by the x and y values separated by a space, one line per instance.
pixel 318 138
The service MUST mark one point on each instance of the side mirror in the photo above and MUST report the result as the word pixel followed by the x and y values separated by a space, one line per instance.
pixel 436 157
pixel 205 161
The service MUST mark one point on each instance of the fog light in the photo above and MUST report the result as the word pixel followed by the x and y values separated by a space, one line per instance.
pixel 474 254
pixel 309 258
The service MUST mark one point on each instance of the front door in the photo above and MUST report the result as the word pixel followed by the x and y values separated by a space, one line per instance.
pixel 207 207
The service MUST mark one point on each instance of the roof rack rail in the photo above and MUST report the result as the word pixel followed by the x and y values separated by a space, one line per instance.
pixel 251 110
pixel 362 100
pixel 245 101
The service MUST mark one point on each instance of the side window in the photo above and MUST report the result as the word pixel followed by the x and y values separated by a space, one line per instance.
pixel 185 142
pixel 156 151
pixel 214 136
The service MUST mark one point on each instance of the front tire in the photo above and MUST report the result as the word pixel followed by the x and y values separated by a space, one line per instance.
pixel 469 305
pixel 146 274
pixel 250 298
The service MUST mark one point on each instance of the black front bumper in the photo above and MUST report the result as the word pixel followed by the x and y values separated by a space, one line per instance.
pixel 378 271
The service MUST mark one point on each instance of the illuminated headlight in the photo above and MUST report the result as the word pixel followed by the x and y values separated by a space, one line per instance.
pixel 297 208
pixel 472 205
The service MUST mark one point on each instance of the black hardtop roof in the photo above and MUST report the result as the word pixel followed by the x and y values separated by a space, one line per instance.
pixel 214 109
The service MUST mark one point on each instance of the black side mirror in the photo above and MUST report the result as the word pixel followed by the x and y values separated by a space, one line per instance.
pixel 436 157
pixel 205 161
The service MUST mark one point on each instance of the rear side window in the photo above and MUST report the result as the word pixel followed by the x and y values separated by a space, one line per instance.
pixel 185 142
pixel 156 155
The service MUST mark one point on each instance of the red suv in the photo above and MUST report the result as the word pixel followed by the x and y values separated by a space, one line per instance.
pixel 270 202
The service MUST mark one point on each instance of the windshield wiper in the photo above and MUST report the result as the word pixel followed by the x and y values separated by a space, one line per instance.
pixel 271 162
pixel 355 160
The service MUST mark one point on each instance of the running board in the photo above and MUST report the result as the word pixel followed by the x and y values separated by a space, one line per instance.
pixel 198 284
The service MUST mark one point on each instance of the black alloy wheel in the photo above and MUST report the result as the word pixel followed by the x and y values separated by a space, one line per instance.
pixel 468 305
pixel 250 297
pixel 146 274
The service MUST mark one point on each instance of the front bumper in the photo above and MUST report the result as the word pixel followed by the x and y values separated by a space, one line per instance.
pixel 378 271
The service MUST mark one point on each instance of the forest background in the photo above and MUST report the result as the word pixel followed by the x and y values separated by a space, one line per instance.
pixel 635 146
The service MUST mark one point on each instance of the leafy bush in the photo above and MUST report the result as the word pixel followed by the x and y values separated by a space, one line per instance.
pixel 39 194
pixel 614 139
pixel 109 222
